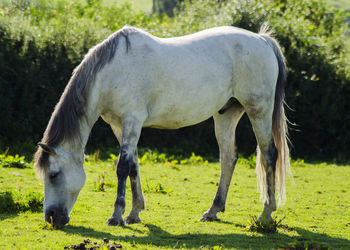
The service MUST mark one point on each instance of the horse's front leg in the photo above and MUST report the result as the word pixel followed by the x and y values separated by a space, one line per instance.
pixel 126 166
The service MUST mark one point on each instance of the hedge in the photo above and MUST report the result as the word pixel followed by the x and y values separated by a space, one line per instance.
pixel 42 42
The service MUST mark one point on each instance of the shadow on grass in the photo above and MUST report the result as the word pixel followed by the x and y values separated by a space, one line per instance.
pixel 4 216
pixel 161 238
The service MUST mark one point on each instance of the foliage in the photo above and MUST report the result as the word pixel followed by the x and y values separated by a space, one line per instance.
pixel 254 225
pixel 113 158
pixel 152 157
pixel 150 187
pixel 10 161
pixel 14 202
pixel 165 6
pixel 43 41
pixel 100 182
pixel 194 159
pixel 249 162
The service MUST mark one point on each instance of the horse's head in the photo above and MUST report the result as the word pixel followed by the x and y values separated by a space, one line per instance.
pixel 64 177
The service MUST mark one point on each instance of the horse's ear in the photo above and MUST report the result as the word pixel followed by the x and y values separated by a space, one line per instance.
pixel 46 148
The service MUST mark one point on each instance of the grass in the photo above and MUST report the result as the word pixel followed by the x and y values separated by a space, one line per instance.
pixel 317 212
pixel 255 225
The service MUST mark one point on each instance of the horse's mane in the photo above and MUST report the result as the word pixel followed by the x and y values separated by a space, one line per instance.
pixel 64 121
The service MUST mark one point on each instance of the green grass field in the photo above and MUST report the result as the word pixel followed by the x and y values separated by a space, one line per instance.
pixel 317 209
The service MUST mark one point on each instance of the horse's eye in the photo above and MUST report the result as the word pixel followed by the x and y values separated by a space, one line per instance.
pixel 53 175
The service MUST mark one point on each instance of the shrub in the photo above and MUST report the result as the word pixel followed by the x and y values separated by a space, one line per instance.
pixel 9 161
pixel 165 6
pixel 42 42
pixel 14 202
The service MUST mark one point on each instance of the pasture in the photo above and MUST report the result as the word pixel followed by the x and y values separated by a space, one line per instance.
pixel 177 192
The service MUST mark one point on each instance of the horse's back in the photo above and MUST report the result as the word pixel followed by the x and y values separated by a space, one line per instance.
pixel 185 80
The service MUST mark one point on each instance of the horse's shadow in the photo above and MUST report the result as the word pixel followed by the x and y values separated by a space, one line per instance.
pixel 161 238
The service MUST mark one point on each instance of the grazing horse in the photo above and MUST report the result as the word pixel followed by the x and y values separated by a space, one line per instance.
pixel 134 79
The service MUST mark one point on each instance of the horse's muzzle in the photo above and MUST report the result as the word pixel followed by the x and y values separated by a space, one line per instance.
pixel 56 215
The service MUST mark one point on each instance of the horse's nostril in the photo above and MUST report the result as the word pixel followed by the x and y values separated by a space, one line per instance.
pixel 56 215
pixel 51 214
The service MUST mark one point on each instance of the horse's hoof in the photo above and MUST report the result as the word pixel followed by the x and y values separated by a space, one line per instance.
pixel 132 219
pixel 207 217
pixel 115 222
pixel 264 218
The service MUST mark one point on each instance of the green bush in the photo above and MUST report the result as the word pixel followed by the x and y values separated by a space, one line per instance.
pixel 165 6
pixel 9 161
pixel 14 202
pixel 42 42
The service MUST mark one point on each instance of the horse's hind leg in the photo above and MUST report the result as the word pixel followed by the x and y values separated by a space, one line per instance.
pixel 225 128
pixel 261 120
pixel 138 201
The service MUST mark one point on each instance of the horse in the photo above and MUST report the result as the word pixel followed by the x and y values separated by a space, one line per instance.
pixel 133 80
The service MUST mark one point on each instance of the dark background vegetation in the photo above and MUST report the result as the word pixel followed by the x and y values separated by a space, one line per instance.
pixel 41 42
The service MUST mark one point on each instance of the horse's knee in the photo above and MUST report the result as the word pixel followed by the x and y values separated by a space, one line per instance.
pixel 126 165
pixel 123 167
pixel 133 170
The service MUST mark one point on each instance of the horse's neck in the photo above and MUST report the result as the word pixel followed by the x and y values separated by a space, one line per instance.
pixel 86 122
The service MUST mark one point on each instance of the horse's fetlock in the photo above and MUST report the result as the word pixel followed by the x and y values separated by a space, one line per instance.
pixel 219 203
pixel 141 204
pixel 120 202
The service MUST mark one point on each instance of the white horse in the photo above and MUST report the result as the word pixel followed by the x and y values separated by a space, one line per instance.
pixel 134 79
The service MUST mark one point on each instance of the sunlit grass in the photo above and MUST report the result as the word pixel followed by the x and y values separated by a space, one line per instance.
pixel 317 209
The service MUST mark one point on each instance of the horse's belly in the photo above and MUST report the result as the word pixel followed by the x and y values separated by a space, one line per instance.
pixel 174 121
pixel 184 112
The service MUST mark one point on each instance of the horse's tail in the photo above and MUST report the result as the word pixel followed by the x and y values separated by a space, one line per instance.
pixel 279 126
